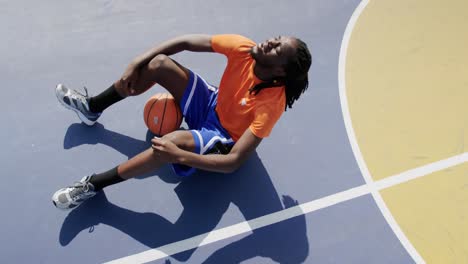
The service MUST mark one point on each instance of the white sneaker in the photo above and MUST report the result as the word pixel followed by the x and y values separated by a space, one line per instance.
pixel 77 102
pixel 73 196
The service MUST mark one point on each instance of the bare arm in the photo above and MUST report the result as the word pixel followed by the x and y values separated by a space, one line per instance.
pixel 196 42
pixel 213 162
pixel 224 163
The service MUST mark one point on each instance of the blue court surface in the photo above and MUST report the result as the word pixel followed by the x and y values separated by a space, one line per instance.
pixel 301 198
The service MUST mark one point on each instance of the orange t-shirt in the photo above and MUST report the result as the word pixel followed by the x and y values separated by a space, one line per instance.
pixel 237 108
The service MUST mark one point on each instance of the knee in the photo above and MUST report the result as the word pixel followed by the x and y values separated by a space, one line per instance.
pixel 158 62
pixel 182 139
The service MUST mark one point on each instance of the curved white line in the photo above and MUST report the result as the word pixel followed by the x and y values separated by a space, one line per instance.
pixel 354 145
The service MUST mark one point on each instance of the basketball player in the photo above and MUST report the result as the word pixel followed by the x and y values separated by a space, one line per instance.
pixel 259 83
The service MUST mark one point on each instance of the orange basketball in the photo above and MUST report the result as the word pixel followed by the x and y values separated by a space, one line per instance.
pixel 162 114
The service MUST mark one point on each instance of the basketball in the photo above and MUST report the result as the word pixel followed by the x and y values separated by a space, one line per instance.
pixel 162 114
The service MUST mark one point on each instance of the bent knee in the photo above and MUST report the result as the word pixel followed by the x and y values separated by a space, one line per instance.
pixel 158 62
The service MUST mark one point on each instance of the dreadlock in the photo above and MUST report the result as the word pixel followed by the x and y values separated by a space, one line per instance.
pixel 296 80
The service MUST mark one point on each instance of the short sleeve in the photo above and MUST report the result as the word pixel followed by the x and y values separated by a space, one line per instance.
pixel 229 43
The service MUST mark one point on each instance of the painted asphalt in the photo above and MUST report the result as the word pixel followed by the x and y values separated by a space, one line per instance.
pixel 44 147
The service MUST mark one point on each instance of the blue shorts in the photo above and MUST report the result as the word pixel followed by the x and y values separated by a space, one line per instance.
pixel 198 108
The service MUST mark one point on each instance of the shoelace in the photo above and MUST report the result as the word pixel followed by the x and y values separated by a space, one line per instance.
pixel 79 96
pixel 78 189
pixel 86 91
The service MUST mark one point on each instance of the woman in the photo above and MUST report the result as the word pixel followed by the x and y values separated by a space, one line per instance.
pixel 259 83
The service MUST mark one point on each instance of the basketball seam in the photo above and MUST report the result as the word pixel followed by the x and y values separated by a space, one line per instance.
pixel 163 116
pixel 177 116
pixel 149 110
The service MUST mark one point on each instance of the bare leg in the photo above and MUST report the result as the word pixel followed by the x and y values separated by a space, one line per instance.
pixel 174 77
pixel 146 161
pixel 140 164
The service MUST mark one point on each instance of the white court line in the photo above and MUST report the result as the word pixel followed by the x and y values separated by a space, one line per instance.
pixel 421 171
pixel 369 188
pixel 248 226
pixel 390 181
pixel 354 145
pixel 243 227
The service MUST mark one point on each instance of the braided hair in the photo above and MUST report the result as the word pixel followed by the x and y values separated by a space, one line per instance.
pixel 296 79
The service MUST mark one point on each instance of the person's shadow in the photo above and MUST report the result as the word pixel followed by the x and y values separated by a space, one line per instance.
pixel 205 197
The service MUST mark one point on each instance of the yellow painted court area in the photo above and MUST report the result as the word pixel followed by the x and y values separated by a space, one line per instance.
pixel 432 211
pixel 407 83
pixel 407 91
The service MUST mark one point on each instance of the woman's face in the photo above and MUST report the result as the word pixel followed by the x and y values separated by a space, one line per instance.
pixel 274 52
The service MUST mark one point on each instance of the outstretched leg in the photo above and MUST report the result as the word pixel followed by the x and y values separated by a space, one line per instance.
pixel 145 162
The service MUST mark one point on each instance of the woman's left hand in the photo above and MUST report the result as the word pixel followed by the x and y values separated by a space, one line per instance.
pixel 165 150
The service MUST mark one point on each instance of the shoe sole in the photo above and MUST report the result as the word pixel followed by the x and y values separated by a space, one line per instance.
pixel 80 115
